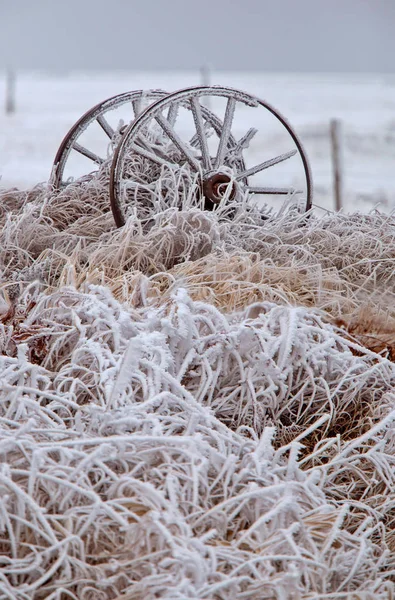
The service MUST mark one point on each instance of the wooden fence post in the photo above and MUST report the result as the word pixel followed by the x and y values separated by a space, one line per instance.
pixel 335 129
pixel 10 92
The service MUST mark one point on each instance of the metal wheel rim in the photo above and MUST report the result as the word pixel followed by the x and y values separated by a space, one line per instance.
pixel 183 95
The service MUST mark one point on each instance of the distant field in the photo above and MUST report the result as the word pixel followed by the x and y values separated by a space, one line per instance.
pixel 47 106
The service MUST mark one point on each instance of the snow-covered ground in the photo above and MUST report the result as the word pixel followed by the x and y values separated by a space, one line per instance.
pixel 48 105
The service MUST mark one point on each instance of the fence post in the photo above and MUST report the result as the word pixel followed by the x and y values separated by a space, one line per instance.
pixel 336 150
pixel 10 92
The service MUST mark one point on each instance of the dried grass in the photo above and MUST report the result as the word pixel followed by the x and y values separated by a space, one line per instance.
pixel 197 405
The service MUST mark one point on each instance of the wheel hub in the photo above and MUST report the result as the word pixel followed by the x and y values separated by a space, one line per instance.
pixel 216 186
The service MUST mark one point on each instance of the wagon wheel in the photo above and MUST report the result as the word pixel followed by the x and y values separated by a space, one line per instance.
pixel 138 99
pixel 221 172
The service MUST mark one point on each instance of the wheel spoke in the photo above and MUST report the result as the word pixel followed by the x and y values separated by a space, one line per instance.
pixel 142 142
pixel 127 184
pixel 151 156
pixel 151 148
pixel 194 141
pixel 197 117
pixel 173 113
pixel 88 153
pixel 271 190
pixel 168 129
pixel 266 165
pixel 225 134
pixel 243 142
pixel 136 104
pixel 105 125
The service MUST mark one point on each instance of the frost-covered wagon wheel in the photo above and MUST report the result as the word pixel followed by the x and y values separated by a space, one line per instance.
pixel 138 99
pixel 219 165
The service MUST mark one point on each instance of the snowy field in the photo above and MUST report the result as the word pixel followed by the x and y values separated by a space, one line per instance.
pixel 47 106
pixel 198 404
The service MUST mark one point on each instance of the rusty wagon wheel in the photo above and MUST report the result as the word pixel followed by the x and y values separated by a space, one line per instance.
pixel 138 100
pixel 219 164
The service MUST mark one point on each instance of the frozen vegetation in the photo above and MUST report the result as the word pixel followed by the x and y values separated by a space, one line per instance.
pixel 198 404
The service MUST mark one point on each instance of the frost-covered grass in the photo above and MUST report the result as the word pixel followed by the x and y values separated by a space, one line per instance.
pixel 197 405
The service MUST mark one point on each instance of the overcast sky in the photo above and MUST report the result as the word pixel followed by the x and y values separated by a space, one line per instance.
pixel 276 35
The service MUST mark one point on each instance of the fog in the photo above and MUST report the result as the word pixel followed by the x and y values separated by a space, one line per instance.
pixel 281 35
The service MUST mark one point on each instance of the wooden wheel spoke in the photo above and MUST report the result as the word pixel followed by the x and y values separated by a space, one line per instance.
pixel 128 184
pixel 270 190
pixel 265 165
pixel 105 125
pixel 88 153
pixel 242 144
pixel 151 156
pixel 173 113
pixel 194 141
pixel 168 129
pixel 142 142
pixel 199 124
pixel 151 148
pixel 136 104
pixel 226 131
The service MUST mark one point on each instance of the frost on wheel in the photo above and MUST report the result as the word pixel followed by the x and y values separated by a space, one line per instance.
pixel 179 150
pixel 104 117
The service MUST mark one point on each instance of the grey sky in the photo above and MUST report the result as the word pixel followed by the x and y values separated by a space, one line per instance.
pixel 284 35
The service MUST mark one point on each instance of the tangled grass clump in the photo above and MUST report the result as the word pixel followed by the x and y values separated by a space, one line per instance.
pixel 197 405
